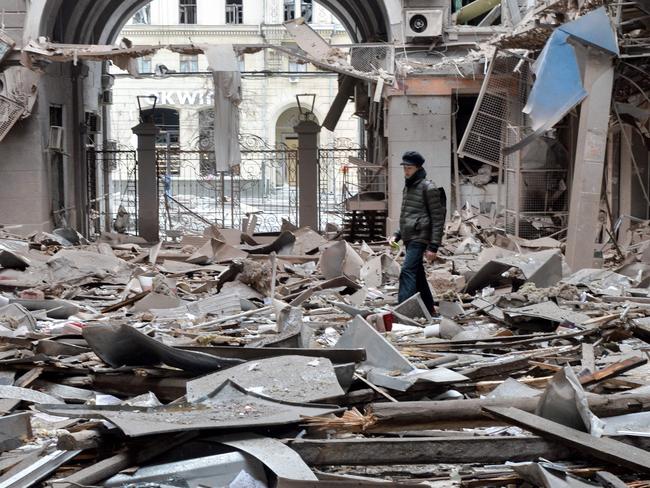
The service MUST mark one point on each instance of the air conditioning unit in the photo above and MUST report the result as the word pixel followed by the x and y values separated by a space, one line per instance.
pixel 108 81
pixel 106 97
pixel 57 138
pixel 424 23
pixel 93 123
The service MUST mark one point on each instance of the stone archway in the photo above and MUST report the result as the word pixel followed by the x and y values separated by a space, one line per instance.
pixel 78 88
pixel 89 21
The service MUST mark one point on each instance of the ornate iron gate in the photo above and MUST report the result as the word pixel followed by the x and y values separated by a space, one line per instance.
pixel 112 185
pixel 333 168
pixel 192 194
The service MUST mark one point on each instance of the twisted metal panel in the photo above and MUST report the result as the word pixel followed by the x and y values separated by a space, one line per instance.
pixel 498 121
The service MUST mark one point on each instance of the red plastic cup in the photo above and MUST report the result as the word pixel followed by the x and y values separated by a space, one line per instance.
pixel 388 321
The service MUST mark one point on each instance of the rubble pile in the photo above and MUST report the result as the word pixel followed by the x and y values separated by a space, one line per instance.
pixel 235 360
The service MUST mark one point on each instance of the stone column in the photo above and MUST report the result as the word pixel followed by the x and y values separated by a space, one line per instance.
pixel 584 224
pixel 417 123
pixel 148 222
pixel 307 131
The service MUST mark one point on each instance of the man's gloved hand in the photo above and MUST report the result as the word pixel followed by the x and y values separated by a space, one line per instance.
pixel 430 256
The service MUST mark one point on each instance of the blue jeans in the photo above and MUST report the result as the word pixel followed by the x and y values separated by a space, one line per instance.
pixel 413 278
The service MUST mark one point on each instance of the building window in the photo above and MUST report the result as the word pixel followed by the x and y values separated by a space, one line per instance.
pixel 234 12
pixel 145 65
pixel 296 67
pixel 189 63
pixel 187 11
pixel 307 10
pixel 143 16
pixel 289 10
pixel 273 60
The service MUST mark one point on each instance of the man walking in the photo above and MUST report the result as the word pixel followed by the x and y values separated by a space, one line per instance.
pixel 421 225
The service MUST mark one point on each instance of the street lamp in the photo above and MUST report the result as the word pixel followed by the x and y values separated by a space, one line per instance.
pixel 154 98
pixel 306 103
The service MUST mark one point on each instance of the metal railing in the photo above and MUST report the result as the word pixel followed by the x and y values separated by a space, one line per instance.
pixel 193 195
pixel 112 189
pixel 333 166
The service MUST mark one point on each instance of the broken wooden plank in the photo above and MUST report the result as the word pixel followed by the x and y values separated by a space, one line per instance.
pixel 28 378
pixel 125 302
pixel 425 450
pixel 457 413
pixel 605 449
pixel 609 480
pixel 85 439
pixel 612 370
pixel 114 464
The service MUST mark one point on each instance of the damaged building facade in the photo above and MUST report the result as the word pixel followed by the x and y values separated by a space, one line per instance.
pixel 451 81
pixel 270 80
pixel 229 351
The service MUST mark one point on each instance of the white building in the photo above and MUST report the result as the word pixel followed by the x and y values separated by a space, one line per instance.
pixel 183 85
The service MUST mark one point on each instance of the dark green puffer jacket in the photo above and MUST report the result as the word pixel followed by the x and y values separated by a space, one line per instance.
pixel 422 218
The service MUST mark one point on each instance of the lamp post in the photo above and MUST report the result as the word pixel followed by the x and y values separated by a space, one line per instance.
pixel 306 102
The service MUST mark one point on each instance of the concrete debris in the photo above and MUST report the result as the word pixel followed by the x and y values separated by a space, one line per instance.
pixel 340 259
pixel 118 346
pixel 125 361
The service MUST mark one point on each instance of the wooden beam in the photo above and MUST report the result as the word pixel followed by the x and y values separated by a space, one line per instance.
pixel 132 456
pixel 437 414
pixel 605 449
pixel 425 450
pixel 611 371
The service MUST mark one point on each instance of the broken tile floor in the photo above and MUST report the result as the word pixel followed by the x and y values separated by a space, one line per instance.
pixel 231 360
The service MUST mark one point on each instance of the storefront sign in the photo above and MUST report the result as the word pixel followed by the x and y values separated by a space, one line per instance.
pixel 184 97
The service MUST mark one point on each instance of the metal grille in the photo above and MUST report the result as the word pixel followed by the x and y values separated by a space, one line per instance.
pixel 194 195
pixel 112 182
pixel 333 165
pixel 369 59
pixel 10 113
pixel 536 190
pixel 536 202
pixel 497 121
